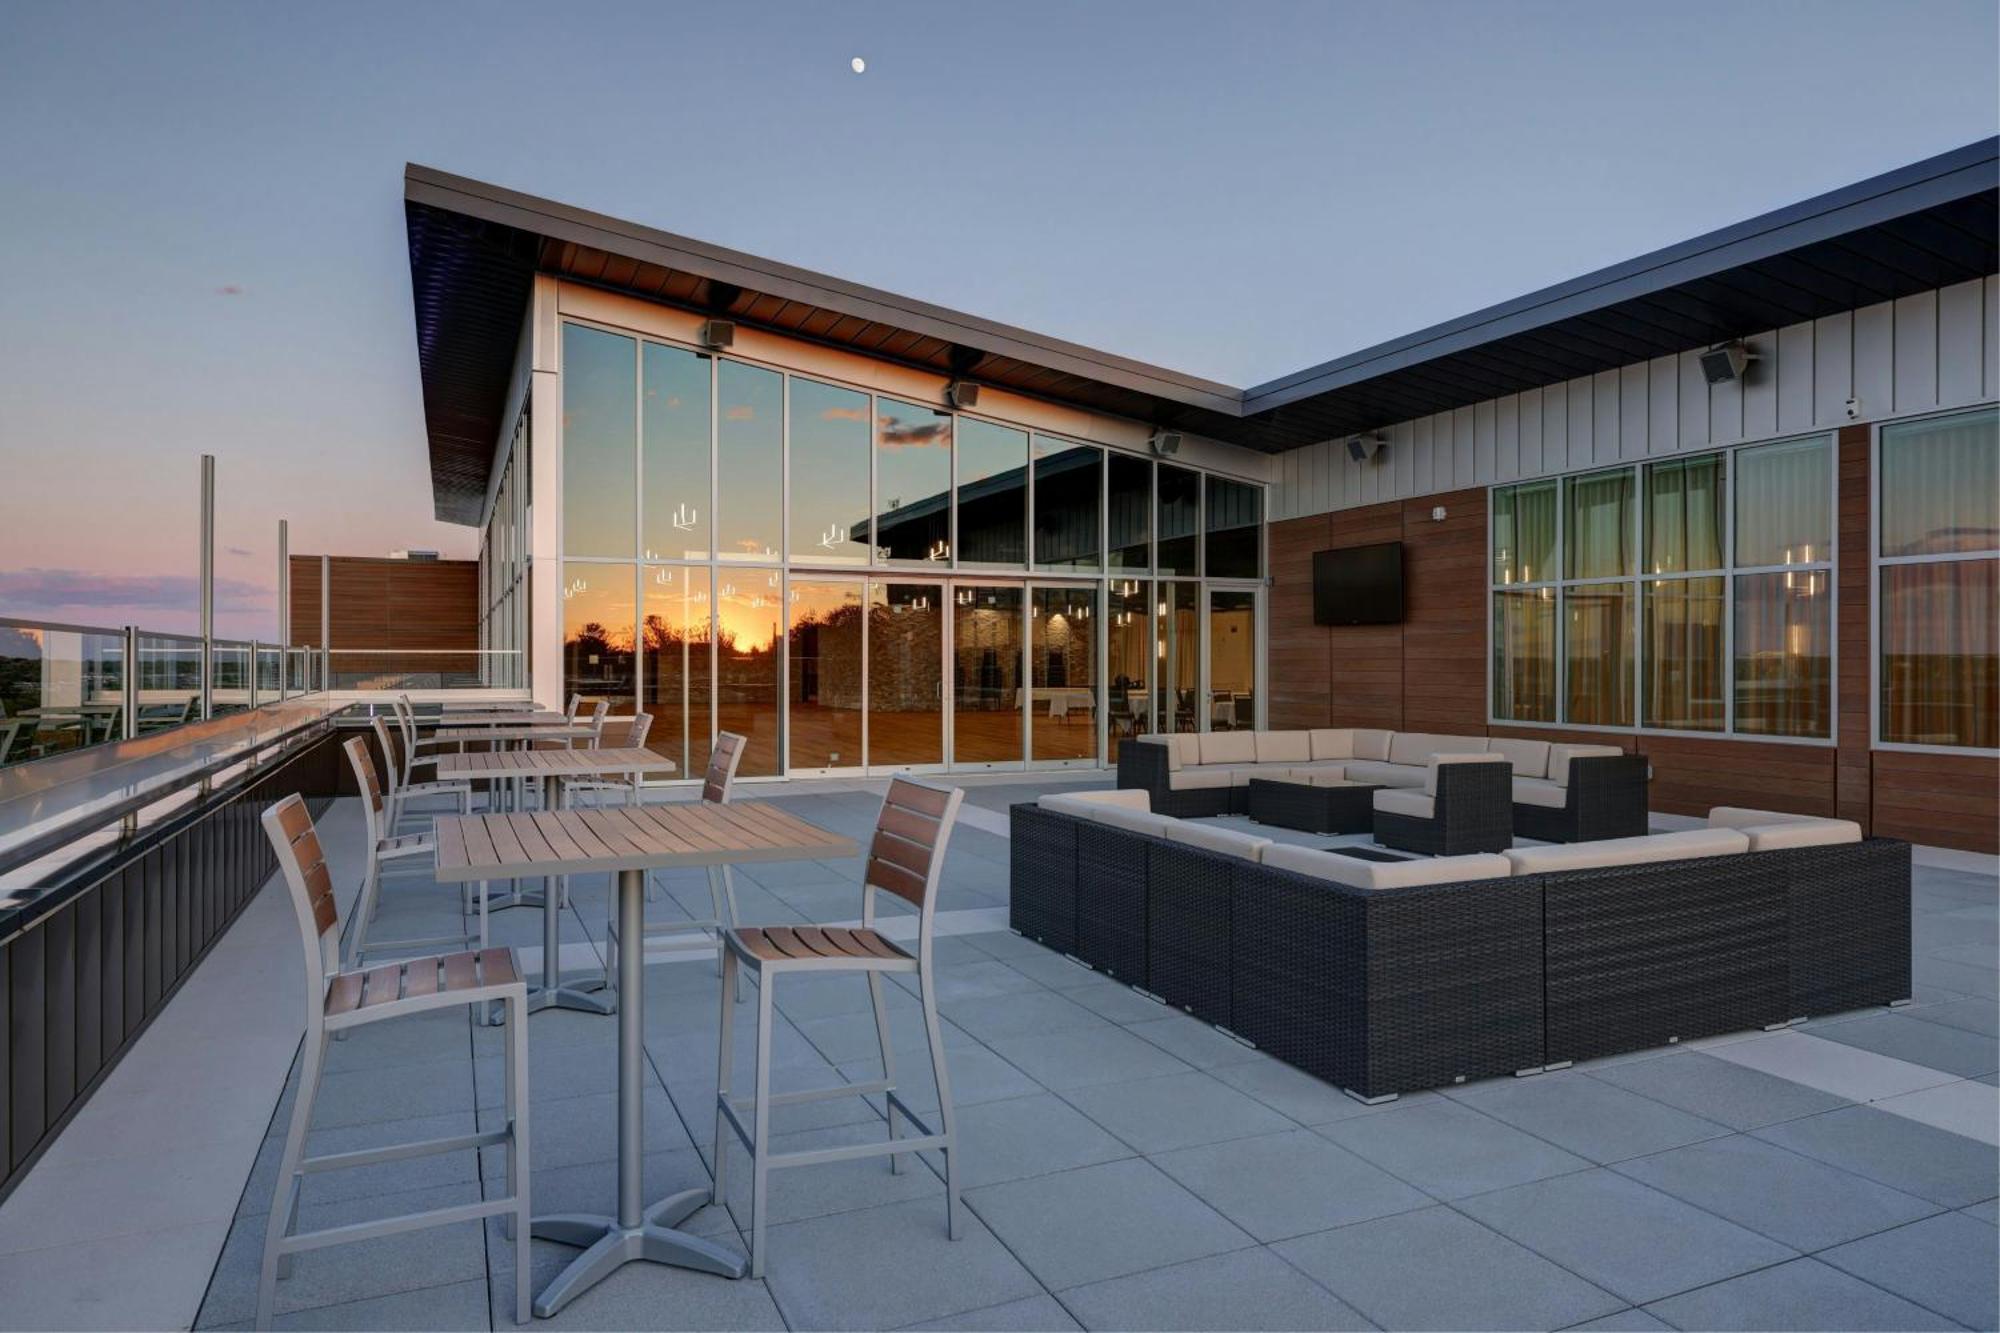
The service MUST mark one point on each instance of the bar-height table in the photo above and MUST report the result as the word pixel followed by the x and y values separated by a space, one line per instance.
pixel 553 766
pixel 630 840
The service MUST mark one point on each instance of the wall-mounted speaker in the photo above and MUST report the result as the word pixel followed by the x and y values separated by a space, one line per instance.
pixel 1166 443
pixel 717 334
pixel 1362 448
pixel 1720 365
pixel 962 394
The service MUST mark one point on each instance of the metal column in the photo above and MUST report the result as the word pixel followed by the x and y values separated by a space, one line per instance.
pixel 208 585
pixel 284 607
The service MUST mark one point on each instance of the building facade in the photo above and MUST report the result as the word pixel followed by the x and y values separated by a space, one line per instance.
pixel 873 535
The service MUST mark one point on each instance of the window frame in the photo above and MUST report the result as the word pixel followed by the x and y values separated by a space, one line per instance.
pixel 1639 578
pixel 1877 561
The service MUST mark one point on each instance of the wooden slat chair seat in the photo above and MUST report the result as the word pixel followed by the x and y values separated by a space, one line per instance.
pixel 340 1000
pixel 389 851
pixel 906 860
pixel 717 783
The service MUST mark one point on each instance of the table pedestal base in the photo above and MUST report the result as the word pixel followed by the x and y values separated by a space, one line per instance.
pixel 608 1247
pixel 570 996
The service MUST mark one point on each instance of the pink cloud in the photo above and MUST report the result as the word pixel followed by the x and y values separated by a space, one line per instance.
pixel 229 289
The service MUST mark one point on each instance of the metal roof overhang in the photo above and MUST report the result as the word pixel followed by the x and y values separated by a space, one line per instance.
pixel 474 249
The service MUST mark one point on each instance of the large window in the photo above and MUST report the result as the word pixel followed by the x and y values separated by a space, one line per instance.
pixel 992 494
pixel 750 442
pixel 1688 595
pixel 600 425
pixel 912 482
pixel 676 428
pixel 829 461
pixel 1938 591
pixel 1235 547
pixel 1069 480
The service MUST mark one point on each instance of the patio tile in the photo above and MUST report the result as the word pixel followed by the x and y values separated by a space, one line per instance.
pixel 1903 1154
pixel 1969 1108
pixel 1943 1263
pixel 459 1305
pixel 887 1267
pixel 1633 1320
pixel 978 981
pixel 1449 1150
pixel 1080 1058
pixel 1003 944
pixel 1057 972
pixel 1620 1235
pixel 846 1037
pixel 585 1129
pixel 1202 1045
pixel 554 1073
pixel 1288 1184
pixel 833 1187
pixel 1932 1045
pixel 401 1093
pixel 420 1039
pixel 1794 1200
pixel 1803 1294
pixel 1437 1269
pixel 1028 1136
pixel 1987 1212
pixel 1033 1012
pixel 362 1181
pixel 1966 979
pixel 1297 1094
pixel 69 1202
pixel 1589 1117
pixel 1119 1003
pixel 345 1273
pixel 1729 1094
pixel 593 1188
pixel 1178 1111
pixel 1102 1221
pixel 1841 1068
pixel 1973 1015
pixel 141 1280
pixel 977 1075
pixel 1033 1314
pixel 1244 1289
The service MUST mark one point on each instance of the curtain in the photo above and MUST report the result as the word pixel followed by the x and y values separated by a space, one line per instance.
pixel 1684 515
pixel 1599 531
pixel 1524 533
pixel 1941 486
pixel 1524 655
pixel 1597 654
pixel 1784 654
pixel 1941 653
pixel 1681 664
pixel 1784 503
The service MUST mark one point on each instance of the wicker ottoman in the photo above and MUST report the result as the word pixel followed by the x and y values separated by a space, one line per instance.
pixel 1347 807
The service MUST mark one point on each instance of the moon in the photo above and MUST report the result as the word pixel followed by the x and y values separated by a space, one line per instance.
pixel 858 65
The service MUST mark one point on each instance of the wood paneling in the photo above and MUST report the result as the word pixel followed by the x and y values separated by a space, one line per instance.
pixel 1300 651
pixel 1444 628
pixel 1947 800
pixel 1365 662
pixel 428 604
pixel 1851 774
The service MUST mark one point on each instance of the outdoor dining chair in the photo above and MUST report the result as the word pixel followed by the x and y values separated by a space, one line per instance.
pixel 392 853
pixel 401 793
pixel 340 999
pixel 905 859
pixel 717 785
pixel 634 738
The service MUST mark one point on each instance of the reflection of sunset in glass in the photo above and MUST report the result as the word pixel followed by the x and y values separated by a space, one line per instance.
pixel 598 596
pixel 749 612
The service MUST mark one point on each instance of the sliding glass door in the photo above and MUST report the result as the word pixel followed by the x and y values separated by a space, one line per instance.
pixel 1063 665
pixel 905 689
pixel 987 696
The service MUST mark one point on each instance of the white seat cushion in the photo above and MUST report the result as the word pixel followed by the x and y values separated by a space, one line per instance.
pixel 1405 801
pixel 1228 747
pixel 1560 755
pixel 1431 769
pixel 1332 742
pixel 1283 747
pixel 1217 839
pixel 1385 775
pixel 1194 779
pixel 1318 769
pixel 1417 747
pixel 1084 802
pixel 1529 758
pixel 1775 830
pixel 1653 847
pixel 1132 821
pixel 1540 791
pixel 1359 874
pixel 1370 743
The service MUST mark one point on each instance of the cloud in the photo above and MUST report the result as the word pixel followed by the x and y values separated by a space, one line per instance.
pixel 741 414
pixel 243 551
pixel 895 433
pixel 844 414
pixel 229 289
pixel 55 593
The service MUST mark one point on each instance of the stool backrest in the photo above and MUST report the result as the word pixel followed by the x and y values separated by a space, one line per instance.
pixel 575 703
pixel 906 857
pixel 722 762
pixel 635 735
pixel 598 712
pixel 289 826
pixel 392 756
pixel 370 786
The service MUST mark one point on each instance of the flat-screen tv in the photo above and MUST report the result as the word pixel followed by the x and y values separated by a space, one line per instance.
pixel 1358 585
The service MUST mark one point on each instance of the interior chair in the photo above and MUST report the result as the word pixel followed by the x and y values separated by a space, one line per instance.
pixel 339 1000
pixel 906 860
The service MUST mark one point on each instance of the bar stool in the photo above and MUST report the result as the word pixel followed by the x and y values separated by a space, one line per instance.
pixel 339 1000
pixel 717 785
pixel 633 739
pixel 905 859
pixel 401 793
pixel 389 853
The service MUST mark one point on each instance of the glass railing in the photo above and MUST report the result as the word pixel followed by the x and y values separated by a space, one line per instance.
pixel 401 669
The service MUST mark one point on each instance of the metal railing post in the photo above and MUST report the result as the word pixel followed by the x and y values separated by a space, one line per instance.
pixel 284 607
pixel 129 700
pixel 256 670
pixel 207 586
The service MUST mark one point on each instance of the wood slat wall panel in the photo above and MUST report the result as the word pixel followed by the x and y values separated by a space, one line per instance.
pixel 1444 630
pixel 1851 776
pixel 1300 651
pixel 1947 800
pixel 430 604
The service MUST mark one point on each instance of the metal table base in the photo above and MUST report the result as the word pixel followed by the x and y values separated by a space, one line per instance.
pixel 638 1233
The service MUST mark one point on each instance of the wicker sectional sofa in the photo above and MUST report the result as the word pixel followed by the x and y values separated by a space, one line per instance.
pixel 1385 978
pixel 1561 792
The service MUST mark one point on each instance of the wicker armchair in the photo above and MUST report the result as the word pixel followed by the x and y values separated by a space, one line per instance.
pixel 1606 799
pixel 1466 806
pixel 1148 765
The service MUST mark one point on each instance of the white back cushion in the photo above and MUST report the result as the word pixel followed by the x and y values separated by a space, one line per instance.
pixel 1283 747
pixel 1431 770
pixel 1560 755
pixel 1360 874
pixel 1216 839
pixel 1132 821
pixel 1405 801
pixel 1529 758
pixel 1774 830
pixel 1417 747
pixel 1333 743
pixel 1228 747
pixel 1645 850
pixel 1173 750
pixel 1372 744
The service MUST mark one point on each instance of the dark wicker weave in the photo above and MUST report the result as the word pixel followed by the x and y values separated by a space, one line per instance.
pixel 1111 900
pixel 1473 812
pixel 1188 952
pixel 1850 925
pixel 1640 956
pixel 1147 765
pixel 1296 805
pixel 1607 799
pixel 1042 876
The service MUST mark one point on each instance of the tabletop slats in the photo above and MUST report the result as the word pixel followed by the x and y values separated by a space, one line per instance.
pixel 569 842
pixel 545 732
pixel 620 762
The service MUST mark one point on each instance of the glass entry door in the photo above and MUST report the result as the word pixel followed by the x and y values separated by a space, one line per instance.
pixel 1232 659
pixel 905 675
pixel 1177 654
pixel 1063 667
pixel 987 695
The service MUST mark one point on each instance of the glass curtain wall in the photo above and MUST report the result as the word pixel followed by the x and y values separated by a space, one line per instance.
pixel 732 534
pixel 1688 595
pixel 1938 590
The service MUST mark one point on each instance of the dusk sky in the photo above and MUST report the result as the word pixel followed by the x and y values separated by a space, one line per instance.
pixel 201 204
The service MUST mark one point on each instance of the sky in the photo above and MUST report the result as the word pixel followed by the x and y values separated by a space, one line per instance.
pixel 200 204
